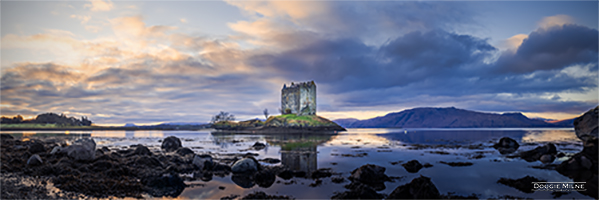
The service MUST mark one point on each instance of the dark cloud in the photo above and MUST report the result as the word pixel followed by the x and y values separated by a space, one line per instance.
pixel 348 64
pixel 442 67
pixel 553 48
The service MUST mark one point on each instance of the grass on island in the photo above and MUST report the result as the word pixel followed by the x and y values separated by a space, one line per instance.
pixel 308 120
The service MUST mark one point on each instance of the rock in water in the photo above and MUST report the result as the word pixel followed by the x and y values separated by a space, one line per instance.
pixel 547 158
pixel 371 175
pixel 420 188
pixel 170 144
pixel 412 166
pixel 537 153
pixel 586 125
pixel 259 146
pixel 34 160
pixel 82 150
pixel 202 161
pixel 506 145
pixel 245 165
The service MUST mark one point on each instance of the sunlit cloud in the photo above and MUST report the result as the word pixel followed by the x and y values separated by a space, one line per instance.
pixel 556 20
pixel 99 5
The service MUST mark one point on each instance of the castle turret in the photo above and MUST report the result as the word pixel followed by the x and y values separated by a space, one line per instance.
pixel 299 98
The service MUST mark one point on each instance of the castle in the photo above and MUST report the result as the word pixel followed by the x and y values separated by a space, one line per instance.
pixel 299 99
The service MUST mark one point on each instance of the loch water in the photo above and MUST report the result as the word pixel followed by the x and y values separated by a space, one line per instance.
pixel 345 151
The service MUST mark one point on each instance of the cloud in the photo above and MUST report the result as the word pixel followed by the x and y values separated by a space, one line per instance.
pixel 99 5
pixel 84 19
pixel 556 20
pixel 552 48
pixel 515 41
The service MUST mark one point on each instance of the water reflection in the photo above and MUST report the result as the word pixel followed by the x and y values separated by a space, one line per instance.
pixel 470 136
pixel 299 151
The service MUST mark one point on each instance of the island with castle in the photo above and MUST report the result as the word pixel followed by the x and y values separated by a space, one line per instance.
pixel 298 114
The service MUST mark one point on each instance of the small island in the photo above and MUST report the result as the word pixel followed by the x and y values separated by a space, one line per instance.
pixel 298 108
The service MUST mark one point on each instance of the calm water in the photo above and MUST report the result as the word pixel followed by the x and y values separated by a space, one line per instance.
pixel 309 152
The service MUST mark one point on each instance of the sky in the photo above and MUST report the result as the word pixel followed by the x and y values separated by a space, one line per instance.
pixel 149 62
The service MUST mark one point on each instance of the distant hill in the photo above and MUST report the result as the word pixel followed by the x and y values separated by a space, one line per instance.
pixel 447 118
pixel 563 123
pixel 345 122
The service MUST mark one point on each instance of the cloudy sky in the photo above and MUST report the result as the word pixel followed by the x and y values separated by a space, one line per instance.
pixel 148 62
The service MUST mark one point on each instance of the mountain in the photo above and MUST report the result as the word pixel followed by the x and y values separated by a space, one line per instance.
pixel 448 118
pixel 563 123
pixel 346 122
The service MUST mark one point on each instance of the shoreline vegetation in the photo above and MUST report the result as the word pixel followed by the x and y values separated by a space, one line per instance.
pixel 289 123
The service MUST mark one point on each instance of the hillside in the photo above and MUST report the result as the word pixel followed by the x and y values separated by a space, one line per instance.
pixel 447 118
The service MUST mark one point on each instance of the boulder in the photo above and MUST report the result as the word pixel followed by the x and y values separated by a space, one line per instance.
pixel 582 167
pixel 81 150
pixel 170 144
pixel 34 160
pixel 184 152
pixel 371 175
pixel 420 188
pixel 36 147
pixel 506 145
pixel 202 161
pixel 140 150
pixel 536 154
pixel 586 126
pixel 245 165
pixel 56 149
pixel 412 166
pixel 259 146
pixel 547 158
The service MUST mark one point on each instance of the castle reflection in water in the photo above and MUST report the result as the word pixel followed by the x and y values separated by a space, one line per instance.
pixel 300 159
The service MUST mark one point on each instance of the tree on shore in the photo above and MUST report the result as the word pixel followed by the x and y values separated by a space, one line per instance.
pixel 265 113
pixel 222 117
pixel 49 118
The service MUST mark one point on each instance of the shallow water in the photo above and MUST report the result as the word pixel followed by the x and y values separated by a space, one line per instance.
pixel 346 151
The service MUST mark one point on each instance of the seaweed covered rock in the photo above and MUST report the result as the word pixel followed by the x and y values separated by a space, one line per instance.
pixel 548 150
pixel 170 144
pixel 506 145
pixel 82 150
pixel 420 188
pixel 412 166
pixel 371 175
pixel 246 165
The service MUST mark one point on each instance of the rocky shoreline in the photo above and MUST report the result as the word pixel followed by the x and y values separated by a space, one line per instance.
pixel 57 168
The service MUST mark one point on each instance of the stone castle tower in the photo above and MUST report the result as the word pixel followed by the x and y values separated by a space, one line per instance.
pixel 299 99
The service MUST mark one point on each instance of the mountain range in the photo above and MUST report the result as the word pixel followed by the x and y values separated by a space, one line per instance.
pixel 450 118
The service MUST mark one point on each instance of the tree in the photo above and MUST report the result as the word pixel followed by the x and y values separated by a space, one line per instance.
pixel 265 113
pixel 222 117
